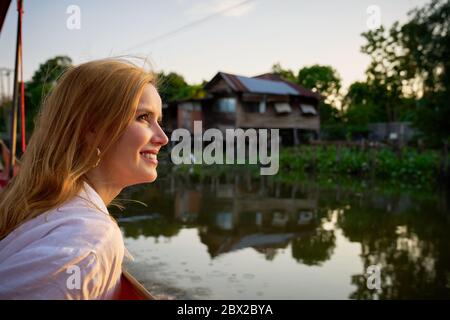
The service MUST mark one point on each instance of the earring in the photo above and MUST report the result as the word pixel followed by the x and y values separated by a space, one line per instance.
pixel 98 155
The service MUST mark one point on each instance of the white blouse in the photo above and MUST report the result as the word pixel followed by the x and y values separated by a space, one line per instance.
pixel 72 252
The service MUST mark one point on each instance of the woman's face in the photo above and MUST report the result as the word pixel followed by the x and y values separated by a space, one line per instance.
pixel 133 158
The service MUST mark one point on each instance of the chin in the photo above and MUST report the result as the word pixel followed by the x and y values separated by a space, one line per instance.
pixel 148 179
pixel 152 177
pixel 146 176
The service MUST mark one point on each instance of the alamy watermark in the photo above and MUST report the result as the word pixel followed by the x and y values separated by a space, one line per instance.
pixel 241 146
pixel 74 279
pixel 373 273
pixel 373 22
pixel 73 21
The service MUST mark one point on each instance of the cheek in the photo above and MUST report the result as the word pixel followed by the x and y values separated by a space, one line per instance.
pixel 135 137
pixel 132 141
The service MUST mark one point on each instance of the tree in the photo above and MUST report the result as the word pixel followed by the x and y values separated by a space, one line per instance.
pixel 324 80
pixel 388 74
pixel 360 102
pixel 286 74
pixel 427 38
pixel 409 70
pixel 173 87
pixel 43 80
pixel 49 71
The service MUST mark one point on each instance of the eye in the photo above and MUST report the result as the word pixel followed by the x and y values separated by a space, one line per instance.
pixel 144 117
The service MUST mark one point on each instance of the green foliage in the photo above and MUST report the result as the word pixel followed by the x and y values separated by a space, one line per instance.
pixel 173 87
pixel 388 75
pixel 410 166
pixel 50 70
pixel 427 38
pixel 40 85
pixel 322 79
pixel 286 74
pixel 334 132
pixel 432 118
pixel 361 105
pixel 403 168
pixel 328 114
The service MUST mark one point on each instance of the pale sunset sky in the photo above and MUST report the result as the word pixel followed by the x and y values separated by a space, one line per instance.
pixel 246 40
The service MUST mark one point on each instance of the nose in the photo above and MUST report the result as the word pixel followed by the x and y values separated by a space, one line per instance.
pixel 159 137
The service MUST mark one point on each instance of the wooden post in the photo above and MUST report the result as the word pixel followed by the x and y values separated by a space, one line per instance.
pixel 296 138
pixel 15 104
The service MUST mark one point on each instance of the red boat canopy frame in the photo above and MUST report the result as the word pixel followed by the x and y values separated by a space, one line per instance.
pixel 4 5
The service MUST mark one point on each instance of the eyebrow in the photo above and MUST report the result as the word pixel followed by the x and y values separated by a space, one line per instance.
pixel 139 110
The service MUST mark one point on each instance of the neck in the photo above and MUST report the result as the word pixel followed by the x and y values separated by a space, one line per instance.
pixel 106 191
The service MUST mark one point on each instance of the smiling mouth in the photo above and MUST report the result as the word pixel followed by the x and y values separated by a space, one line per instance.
pixel 148 155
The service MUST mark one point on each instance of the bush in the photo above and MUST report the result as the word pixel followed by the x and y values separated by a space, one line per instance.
pixel 408 166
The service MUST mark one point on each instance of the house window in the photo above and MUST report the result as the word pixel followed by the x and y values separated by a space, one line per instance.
pixel 252 107
pixel 186 106
pixel 227 105
pixel 283 107
pixel 308 109
pixel 190 106
pixel 256 107
pixel 262 106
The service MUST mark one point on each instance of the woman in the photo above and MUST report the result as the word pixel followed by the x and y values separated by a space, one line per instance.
pixel 98 132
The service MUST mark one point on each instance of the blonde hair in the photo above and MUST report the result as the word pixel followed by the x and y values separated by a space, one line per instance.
pixel 98 96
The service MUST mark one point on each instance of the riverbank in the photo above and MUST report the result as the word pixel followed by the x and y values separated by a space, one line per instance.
pixel 406 168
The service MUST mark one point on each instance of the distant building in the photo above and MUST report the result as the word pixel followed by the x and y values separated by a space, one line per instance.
pixel 400 132
pixel 265 101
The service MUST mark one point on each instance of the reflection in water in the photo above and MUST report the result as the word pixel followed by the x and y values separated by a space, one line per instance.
pixel 306 235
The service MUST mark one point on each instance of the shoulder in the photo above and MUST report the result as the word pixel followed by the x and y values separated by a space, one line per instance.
pixel 87 227
pixel 72 241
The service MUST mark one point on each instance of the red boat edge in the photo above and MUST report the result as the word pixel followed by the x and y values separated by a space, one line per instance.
pixel 131 289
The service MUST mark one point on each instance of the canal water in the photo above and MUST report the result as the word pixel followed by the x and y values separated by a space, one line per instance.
pixel 244 238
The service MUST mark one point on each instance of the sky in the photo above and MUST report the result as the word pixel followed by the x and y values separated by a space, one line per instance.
pixel 198 38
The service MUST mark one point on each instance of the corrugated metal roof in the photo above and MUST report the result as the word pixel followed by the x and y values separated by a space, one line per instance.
pixel 263 84
pixel 303 91
pixel 233 82
pixel 267 86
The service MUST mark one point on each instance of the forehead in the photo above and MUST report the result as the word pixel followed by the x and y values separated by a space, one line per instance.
pixel 150 99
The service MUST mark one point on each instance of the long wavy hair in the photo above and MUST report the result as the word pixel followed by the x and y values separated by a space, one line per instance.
pixel 98 96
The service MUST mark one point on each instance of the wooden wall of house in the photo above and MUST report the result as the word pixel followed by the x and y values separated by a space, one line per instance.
pixel 212 118
pixel 170 113
pixel 220 87
pixel 186 118
pixel 272 119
